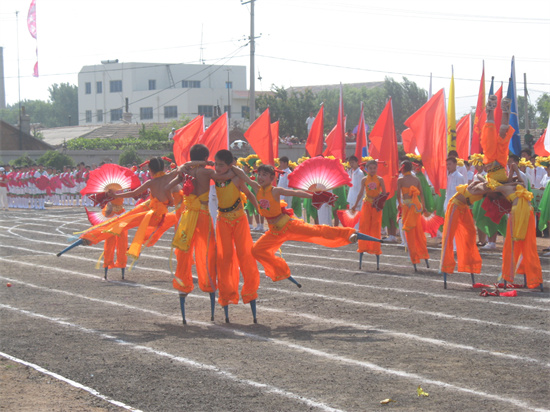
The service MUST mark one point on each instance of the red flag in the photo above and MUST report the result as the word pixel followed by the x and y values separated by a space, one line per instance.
pixel 361 138
pixel 275 138
pixel 463 137
pixel 429 125
pixel 314 144
pixel 383 147
pixel 259 137
pixel 498 110
pixel 542 147
pixel 31 19
pixel 186 137
pixel 336 140
pixel 409 141
pixel 479 119
pixel 216 137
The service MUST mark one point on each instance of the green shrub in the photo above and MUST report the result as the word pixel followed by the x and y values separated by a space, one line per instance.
pixel 129 156
pixel 55 159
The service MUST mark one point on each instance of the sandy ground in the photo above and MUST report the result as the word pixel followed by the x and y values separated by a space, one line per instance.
pixel 345 341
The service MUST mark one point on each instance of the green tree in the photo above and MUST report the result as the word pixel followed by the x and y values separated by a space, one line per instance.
pixel 532 110
pixel 55 159
pixel 64 99
pixel 129 156
pixel 24 160
pixel 543 110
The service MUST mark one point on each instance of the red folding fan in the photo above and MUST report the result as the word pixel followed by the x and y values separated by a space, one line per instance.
pixel 42 183
pixel 95 218
pixel 431 224
pixel 319 174
pixel 110 176
pixel 379 201
pixel 348 218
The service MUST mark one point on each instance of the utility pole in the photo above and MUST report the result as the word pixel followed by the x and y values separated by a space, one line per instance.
pixel 18 81
pixel 252 70
pixel 228 95
pixel 526 102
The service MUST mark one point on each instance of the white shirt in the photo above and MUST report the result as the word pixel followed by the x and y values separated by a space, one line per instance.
pixel 283 182
pixel 309 122
pixel 453 180
pixel 464 173
pixel 540 172
pixel 544 181
pixel 356 176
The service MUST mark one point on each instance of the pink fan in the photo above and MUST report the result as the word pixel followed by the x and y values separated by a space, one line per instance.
pixel 319 174
pixel 67 181
pixel 110 176
pixel 431 224
pixel 95 218
pixel 348 218
pixel 379 201
pixel 42 183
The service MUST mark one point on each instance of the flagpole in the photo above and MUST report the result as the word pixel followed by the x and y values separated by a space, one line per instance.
pixel 526 102
pixel 18 79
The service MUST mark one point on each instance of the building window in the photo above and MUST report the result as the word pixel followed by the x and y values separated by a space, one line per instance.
pixel 88 87
pixel 191 84
pixel 170 112
pixel 100 115
pixel 115 86
pixel 206 111
pixel 88 116
pixel 228 85
pixel 152 85
pixel 245 112
pixel 145 113
pixel 227 109
pixel 99 87
pixel 116 115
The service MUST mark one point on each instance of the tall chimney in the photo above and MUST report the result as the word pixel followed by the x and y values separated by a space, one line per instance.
pixel 2 88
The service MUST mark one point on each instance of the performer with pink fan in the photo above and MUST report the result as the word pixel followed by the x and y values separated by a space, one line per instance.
pixel 370 222
pixel 315 174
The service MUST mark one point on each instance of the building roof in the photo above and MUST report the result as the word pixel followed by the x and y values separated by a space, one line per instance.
pixel 9 139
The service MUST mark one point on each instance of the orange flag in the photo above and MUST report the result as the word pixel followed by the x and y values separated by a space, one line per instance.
pixel 336 140
pixel 463 137
pixel 186 137
pixel 498 110
pixel 409 142
pixel 361 138
pixel 479 119
pixel 542 147
pixel 259 137
pixel 216 137
pixel 429 126
pixel 275 139
pixel 314 144
pixel 383 147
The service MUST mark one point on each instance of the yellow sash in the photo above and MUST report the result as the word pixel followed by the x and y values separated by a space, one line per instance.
pixel 188 221
pixel 521 212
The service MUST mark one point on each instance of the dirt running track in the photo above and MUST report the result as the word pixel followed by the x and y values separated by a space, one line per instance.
pixel 345 341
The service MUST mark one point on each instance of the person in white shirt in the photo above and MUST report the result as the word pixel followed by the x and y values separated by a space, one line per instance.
pixel 309 121
pixel 454 179
pixel 283 179
pixel 460 168
pixel 356 175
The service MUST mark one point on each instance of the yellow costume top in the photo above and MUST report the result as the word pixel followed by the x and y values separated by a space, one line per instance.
pixel 229 200
pixel 372 188
pixel 269 207
pixel 521 212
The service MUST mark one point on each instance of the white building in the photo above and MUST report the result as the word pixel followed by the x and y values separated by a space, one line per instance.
pixel 157 92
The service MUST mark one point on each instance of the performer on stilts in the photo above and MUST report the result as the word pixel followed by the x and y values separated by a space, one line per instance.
pixel 411 203
pixel 283 226
pixel 370 221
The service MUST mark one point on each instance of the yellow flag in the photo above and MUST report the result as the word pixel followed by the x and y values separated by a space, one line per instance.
pixel 451 117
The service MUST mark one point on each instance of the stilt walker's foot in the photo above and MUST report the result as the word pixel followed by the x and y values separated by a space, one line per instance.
pixel 360 259
pixel 377 262
pixel 182 306
pixel 505 105
pixel 353 238
pixel 212 305
pixel 444 280
pixel 122 272
pixel 294 281
pixel 226 311
pixel 105 276
pixel 427 263
pixel 253 308
pixel 473 279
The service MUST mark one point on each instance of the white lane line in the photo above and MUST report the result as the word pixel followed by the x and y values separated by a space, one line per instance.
pixel 69 381
pixel 189 362
pixel 330 321
pixel 332 357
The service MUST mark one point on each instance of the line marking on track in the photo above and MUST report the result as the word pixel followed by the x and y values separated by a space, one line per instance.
pixel 320 320
pixel 69 381
pixel 336 358
pixel 197 365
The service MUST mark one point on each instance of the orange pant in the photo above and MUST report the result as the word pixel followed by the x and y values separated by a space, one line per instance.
pixel 459 226
pixel 370 223
pixel 416 239
pixel 276 267
pixel 120 244
pixel 204 246
pixel 523 252
pixel 234 245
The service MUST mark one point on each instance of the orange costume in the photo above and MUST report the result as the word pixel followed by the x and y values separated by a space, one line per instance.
pixel 495 149
pixel 233 238
pixel 288 228
pixel 519 254
pixel 370 221
pixel 412 225
pixel 459 226
pixel 118 243
pixel 195 233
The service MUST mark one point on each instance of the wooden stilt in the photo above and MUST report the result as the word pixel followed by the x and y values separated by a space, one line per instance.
pixel 226 311
pixel 360 259
pixel 377 262
pixel 122 272
pixel 414 265
pixel 105 276
pixel 182 306
pixel 253 308
pixel 444 280
pixel 294 281
pixel 212 305
pixel 473 280
pixel 427 263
